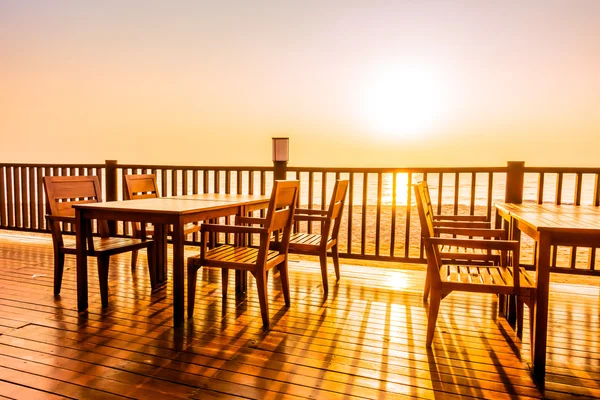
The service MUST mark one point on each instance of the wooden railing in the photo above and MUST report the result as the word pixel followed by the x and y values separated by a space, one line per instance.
pixel 22 201
pixel 380 221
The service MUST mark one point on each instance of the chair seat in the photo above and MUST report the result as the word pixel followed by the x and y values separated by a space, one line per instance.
pixel 483 278
pixel 110 245
pixel 307 241
pixel 236 256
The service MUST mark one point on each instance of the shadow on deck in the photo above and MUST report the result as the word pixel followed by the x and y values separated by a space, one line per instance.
pixel 364 340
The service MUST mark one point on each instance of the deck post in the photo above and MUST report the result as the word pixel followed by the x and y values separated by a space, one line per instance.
pixel 111 190
pixel 279 170
pixel 515 176
pixel 281 156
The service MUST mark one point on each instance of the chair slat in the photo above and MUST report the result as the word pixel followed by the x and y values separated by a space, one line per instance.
pixel 77 188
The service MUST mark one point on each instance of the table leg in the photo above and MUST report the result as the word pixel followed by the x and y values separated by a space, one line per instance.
pixel 540 328
pixel 178 273
pixel 241 277
pixel 241 281
pixel 160 243
pixel 498 220
pixel 511 306
pixel 505 302
pixel 82 225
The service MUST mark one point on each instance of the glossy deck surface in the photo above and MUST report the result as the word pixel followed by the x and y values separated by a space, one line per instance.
pixel 364 340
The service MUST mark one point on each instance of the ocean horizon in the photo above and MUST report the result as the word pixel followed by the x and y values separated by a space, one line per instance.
pixel 530 189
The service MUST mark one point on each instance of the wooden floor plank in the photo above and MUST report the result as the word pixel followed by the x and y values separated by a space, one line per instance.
pixel 9 390
pixel 28 374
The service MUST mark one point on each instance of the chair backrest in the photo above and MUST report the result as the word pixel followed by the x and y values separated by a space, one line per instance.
pixel 140 186
pixel 62 192
pixel 335 210
pixel 425 209
pixel 281 209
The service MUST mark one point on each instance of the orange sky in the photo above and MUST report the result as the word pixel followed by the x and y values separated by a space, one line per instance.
pixel 352 83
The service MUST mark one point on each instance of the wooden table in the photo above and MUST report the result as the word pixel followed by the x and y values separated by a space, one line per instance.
pixel 162 212
pixel 549 225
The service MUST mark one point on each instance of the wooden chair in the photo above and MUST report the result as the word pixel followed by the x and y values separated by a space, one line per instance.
pixel 320 244
pixel 456 225
pixel 257 260
pixel 144 186
pixel 61 193
pixel 507 278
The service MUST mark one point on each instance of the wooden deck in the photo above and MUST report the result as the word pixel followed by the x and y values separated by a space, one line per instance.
pixel 365 340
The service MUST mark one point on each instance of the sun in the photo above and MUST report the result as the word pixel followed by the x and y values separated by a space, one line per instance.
pixel 403 101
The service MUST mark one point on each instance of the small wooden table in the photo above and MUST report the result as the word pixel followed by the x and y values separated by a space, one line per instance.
pixel 549 225
pixel 161 212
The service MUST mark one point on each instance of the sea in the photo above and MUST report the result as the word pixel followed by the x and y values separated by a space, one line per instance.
pixel 402 195
pixel 403 192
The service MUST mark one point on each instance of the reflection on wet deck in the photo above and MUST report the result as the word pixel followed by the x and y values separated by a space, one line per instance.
pixel 366 339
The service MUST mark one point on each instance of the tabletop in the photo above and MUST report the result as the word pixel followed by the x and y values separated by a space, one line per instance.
pixel 176 205
pixel 563 217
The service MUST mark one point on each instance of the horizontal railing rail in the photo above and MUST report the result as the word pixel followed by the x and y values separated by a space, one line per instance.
pixel 380 220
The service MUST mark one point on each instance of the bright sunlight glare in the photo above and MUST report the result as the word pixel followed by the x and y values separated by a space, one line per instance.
pixel 387 195
pixel 398 280
pixel 403 102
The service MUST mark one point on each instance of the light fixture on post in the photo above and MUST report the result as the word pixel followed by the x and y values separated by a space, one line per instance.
pixel 281 155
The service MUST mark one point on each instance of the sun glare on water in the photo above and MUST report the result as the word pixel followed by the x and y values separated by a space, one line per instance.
pixel 388 196
pixel 403 102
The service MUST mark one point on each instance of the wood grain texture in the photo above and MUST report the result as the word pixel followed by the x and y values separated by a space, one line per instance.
pixel 365 339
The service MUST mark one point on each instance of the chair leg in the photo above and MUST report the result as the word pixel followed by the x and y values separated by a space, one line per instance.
pixel 519 322
pixel 134 258
pixel 502 300
pixel 427 288
pixel 59 267
pixel 532 308
pixel 323 261
pixel 224 281
pixel 336 261
pixel 261 286
pixel 510 309
pixel 434 308
pixel 285 282
pixel 103 261
pixel 192 276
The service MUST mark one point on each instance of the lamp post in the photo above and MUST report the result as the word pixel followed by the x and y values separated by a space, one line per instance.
pixel 281 155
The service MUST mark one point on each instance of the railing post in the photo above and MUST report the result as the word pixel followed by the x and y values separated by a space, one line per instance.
pixel 515 177
pixel 279 170
pixel 281 156
pixel 111 190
